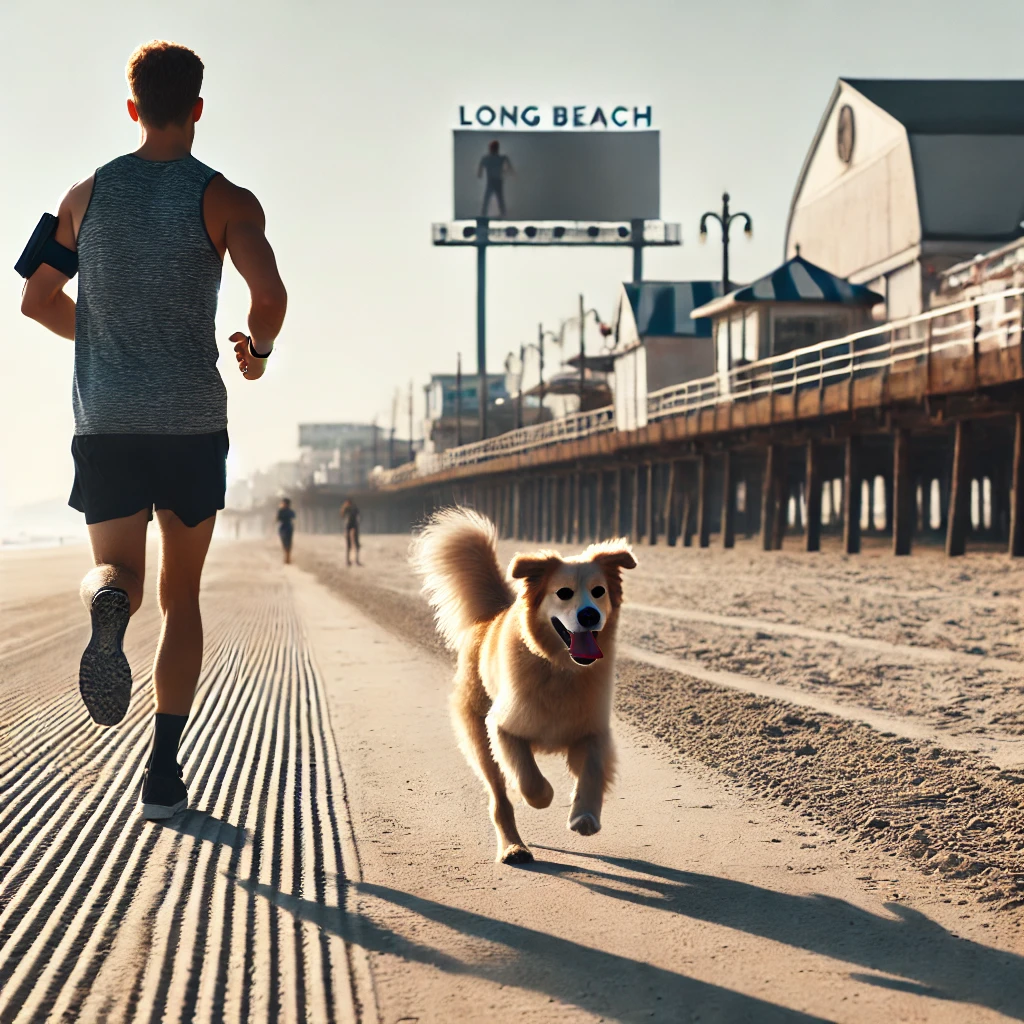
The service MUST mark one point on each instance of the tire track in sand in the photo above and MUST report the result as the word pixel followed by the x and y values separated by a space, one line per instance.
pixel 106 917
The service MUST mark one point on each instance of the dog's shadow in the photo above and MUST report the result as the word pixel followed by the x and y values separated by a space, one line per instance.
pixel 933 961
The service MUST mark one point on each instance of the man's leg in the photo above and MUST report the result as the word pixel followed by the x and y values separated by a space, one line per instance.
pixel 355 536
pixel 179 653
pixel 119 553
pixel 179 657
pixel 348 545
pixel 112 591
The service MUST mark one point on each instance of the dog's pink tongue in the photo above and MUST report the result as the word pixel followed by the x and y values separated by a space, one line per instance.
pixel 584 645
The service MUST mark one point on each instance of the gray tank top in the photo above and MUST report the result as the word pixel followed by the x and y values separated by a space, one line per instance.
pixel 148 278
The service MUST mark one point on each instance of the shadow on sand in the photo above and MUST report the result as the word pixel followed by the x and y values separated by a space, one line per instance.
pixel 930 961
pixel 613 986
pixel 207 827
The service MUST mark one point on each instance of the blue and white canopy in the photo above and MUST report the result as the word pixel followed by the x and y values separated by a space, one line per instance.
pixel 797 280
pixel 663 309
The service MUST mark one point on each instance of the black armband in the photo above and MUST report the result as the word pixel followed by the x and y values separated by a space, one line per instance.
pixel 43 247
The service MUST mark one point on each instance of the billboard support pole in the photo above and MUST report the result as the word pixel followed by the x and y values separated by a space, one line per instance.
pixel 481 321
pixel 637 235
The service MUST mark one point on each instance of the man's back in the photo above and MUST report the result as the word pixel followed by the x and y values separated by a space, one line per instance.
pixel 494 166
pixel 145 343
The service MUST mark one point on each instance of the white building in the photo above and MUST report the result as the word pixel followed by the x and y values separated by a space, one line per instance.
pixel 795 306
pixel 904 179
pixel 657 343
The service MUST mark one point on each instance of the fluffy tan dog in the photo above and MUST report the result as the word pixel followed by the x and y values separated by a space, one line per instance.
pixel 536 664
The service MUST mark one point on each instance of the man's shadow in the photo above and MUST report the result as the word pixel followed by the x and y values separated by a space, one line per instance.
pixel 909 944
pixel 612 986
pixel 206 827
pixel 929 960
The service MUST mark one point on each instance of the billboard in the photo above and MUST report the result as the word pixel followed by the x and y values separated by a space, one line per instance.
pixel 558 175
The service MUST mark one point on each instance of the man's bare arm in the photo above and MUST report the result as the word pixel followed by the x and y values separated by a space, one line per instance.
pixel 254 259
pixel 237 224
pixel 42 297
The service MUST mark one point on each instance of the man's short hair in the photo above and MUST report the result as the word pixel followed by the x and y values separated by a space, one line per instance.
pixel 165 80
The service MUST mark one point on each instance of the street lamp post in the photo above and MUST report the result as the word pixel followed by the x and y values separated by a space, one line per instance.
pixel 458 400
pixel 725 219
pixel 583 347
pixel 412 450
pixel 522 375
pixel 519 374
pixel 538 347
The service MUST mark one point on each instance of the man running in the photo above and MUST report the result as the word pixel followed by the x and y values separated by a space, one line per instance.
pixel 286 527
pixel 350 519
pixel 495 165
pixel 151 229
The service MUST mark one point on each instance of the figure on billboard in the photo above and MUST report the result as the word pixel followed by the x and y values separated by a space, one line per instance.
pixel 495 165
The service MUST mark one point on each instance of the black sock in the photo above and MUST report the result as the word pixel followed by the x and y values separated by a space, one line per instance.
pixel 167 730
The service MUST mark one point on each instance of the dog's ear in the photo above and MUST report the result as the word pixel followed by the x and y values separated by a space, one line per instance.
pixel 534 570
pixel 533 567
pixel 613 556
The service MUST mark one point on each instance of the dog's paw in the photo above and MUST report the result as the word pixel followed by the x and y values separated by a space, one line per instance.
pixel 585 824
pixel 542 798
pixel 516 854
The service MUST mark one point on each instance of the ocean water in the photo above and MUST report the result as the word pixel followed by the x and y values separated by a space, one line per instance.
pixel 24 542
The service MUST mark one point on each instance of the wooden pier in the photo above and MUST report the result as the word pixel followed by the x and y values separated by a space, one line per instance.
pixel 909 428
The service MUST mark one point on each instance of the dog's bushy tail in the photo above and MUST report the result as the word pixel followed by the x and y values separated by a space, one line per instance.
pixel 456 555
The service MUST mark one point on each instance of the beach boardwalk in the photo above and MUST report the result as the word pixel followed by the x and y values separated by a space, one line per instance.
pixel 294 890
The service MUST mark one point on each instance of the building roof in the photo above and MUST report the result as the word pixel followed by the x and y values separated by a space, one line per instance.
pixel 468 377
pixel 964 192
pixel 949 106
pixel 797 280
pixel 662 309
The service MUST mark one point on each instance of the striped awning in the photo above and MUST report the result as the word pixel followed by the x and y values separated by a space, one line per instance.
pixel 797 280
pixel 662 309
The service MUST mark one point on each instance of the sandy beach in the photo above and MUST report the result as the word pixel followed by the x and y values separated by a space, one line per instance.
pixel 760 860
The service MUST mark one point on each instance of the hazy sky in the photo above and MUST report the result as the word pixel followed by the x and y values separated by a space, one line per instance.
pixel 339 117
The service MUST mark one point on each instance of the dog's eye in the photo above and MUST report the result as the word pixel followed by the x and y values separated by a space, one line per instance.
pixel 565 593
pixel 598 592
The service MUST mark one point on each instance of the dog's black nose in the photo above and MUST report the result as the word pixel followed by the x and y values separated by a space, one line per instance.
pixel 588 618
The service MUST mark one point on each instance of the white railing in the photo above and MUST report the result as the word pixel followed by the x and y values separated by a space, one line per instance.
pixel 971 327
pixel 566 428
pixel 977 325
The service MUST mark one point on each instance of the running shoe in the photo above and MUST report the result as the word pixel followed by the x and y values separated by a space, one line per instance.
pixel 105 679
pixel 163 795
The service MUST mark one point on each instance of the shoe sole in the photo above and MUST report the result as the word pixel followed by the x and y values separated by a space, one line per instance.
pixel 105 678
pixel 157 812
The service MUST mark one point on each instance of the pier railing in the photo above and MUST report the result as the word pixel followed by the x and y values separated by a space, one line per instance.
pixel 565 428
pixel 965 329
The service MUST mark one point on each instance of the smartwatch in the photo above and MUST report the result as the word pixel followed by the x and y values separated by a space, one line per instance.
pixel 253 351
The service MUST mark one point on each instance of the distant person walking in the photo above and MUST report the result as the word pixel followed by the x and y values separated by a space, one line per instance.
pixel 350 520
pixel 495 165
pixel 151 229
pixel 286 527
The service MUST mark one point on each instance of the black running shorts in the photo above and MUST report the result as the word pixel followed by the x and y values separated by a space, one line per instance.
pixel 117 475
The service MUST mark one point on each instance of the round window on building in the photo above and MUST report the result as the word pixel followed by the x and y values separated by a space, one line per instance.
pixel 845 134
